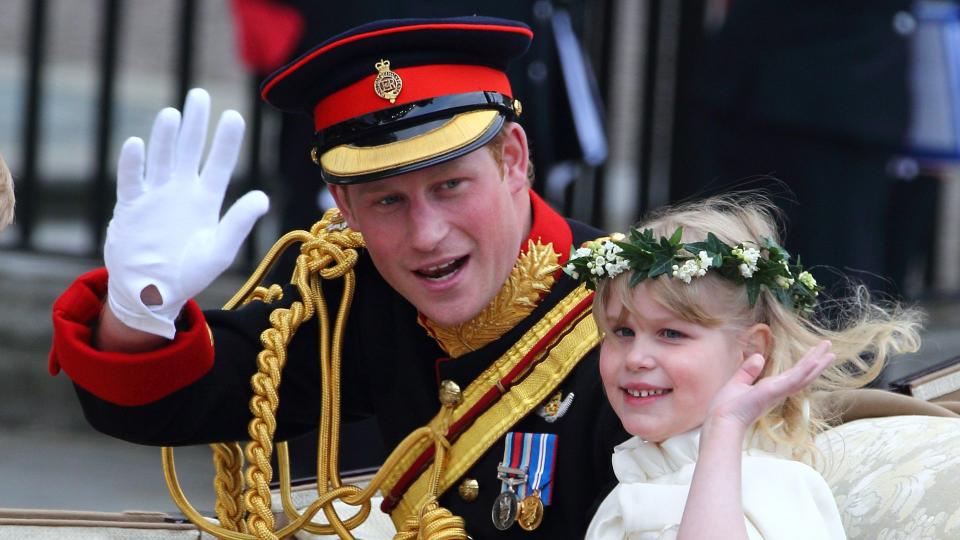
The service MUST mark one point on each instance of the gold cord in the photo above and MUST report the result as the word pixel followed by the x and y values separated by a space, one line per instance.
pixel 228 484
pixel 434 521
pixel 328 251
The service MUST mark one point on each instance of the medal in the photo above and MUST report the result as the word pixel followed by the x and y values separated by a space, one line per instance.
pixel 530 511
pixel 526 473
pixel 506 505
pixel 505 510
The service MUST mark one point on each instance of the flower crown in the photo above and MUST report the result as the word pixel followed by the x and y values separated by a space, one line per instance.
pixel 648 257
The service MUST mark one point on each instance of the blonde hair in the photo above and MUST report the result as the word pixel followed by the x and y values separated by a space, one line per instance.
pixel 864 332
pixel 7 199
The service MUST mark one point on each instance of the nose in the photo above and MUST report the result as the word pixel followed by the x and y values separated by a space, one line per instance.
pixel 641 356
pixel 429 225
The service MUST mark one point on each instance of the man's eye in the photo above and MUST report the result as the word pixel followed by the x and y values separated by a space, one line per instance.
pixel 623 332
pixel 450 184
pixel 388 200
pixel 670 333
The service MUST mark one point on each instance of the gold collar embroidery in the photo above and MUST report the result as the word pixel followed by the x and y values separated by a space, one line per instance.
pixel 530 279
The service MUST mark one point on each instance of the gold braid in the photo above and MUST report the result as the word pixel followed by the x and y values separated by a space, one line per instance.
pixel 228 457
pixel 434 521
pixel 228 484
pixel 328 251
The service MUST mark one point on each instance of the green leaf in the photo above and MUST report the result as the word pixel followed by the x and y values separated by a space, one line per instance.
pixel 753 291
pixel 784 297
pixel 677 235
pixel 662 266
pixel 776 250
pixel 631 251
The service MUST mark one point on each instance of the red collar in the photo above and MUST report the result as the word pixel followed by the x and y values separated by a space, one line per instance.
pixel 547 226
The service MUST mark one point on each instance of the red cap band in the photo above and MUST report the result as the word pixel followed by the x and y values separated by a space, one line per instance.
pixel 419 82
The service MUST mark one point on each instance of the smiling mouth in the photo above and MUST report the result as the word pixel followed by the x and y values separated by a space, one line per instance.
pixel 647 393
pixel 443 271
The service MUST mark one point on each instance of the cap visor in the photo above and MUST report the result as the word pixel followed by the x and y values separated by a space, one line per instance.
pixel 349 164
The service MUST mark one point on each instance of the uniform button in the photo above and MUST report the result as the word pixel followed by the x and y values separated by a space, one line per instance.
pixel 469 489
pixel 450 394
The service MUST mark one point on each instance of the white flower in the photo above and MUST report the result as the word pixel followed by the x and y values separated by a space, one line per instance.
pixel 705 260
pixel 611 250
pixel 583 252
pixel 749 256
pixel 617 268
pixel 690 269
pixel 571 271
pixel 807 279
pixel 784 282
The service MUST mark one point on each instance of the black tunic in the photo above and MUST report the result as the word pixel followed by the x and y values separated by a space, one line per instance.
pixel 390 371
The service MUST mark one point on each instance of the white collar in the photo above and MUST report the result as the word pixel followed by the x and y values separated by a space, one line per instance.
pixel 637 460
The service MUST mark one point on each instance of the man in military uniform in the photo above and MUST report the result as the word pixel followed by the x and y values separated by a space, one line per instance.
pixel 458 287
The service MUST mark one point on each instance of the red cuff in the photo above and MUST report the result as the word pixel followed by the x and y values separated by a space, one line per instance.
pixel 122 378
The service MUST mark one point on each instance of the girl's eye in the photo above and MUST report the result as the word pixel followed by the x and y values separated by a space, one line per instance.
pixel 623 332
pixel 670 333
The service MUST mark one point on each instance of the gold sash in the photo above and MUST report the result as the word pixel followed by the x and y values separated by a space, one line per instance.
pixel 555 361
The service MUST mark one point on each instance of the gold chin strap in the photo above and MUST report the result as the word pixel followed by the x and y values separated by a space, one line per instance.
pixel 243 507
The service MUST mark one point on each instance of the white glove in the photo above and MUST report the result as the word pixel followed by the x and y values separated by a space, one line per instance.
pixel 166 229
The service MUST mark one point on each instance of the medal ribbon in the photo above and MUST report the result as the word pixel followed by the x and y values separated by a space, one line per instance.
pixel 535 453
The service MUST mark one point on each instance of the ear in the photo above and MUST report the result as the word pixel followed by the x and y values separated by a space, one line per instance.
pixel 342 198
pixel 757 339
pixel 516 157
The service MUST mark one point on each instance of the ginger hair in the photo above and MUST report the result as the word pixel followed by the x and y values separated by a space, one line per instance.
pixel 495 147
pixel 865 332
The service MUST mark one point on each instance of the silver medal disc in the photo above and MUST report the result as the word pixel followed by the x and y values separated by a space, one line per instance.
pixel 505 510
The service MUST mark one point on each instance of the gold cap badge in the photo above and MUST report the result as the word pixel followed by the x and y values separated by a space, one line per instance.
pixel 387 84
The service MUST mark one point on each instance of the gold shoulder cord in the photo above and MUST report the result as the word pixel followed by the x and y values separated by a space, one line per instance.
pixel 328 251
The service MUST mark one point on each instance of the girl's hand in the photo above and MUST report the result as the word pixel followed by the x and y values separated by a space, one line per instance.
pixel 741 402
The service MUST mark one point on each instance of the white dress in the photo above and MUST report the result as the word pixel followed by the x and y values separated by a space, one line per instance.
pixel 782 498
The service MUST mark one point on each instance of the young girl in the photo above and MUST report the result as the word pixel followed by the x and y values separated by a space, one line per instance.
pixel 704 315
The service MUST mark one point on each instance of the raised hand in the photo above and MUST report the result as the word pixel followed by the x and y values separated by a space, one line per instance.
pixel 714 507
pixel 166 241
pixel 742 401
